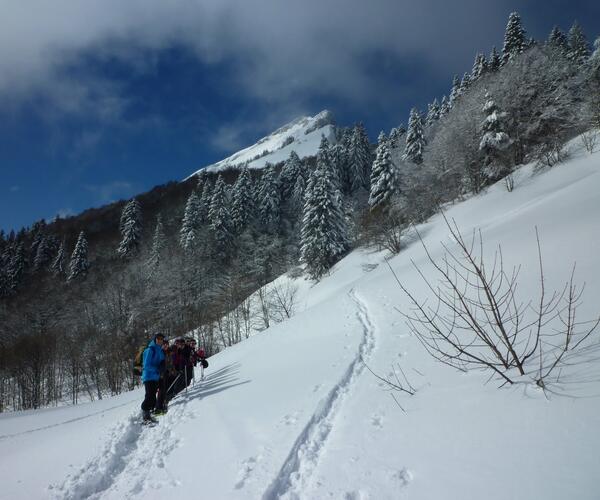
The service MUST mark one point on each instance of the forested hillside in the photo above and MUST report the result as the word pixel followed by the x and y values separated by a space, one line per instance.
pixel 79 295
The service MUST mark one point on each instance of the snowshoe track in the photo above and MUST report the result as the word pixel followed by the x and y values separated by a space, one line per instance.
pixel 122 468
pixel 297 470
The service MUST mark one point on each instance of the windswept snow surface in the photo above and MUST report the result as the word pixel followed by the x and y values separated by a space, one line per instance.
pixel 305 131
pixel 293 412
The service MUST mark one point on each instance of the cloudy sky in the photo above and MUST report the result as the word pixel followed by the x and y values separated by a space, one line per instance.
pixel 100 100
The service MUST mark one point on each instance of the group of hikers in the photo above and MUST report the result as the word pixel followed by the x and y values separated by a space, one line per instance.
pixel 166 371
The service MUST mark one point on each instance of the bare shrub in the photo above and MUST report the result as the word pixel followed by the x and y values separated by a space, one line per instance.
pixel 589 140
pixel 283 301
pixel 478 321
pixel 550 153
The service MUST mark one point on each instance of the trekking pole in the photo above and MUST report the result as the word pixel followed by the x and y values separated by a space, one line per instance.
pixel 185 371
pixel 171 386
pixel 201 372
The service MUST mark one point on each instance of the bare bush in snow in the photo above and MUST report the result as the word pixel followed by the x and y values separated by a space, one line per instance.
pixel 477 319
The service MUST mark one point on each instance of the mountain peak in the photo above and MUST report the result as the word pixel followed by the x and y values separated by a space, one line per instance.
pixel 301 135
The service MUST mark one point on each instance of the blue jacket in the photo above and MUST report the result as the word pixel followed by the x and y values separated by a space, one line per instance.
pixel 153 357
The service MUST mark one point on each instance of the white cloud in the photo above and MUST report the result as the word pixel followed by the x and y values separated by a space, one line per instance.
pixel 280 48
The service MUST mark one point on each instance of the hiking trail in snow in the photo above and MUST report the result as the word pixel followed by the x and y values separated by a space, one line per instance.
pixel 122 467
pixel 297 470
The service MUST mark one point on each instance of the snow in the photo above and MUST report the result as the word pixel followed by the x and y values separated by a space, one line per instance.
pixel 293 412
pixel 306 132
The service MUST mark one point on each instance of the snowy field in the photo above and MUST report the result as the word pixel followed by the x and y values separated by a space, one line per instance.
pixel 294 413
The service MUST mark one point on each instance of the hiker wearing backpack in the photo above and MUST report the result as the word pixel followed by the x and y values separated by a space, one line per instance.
pixel 167 377
pixel 152 359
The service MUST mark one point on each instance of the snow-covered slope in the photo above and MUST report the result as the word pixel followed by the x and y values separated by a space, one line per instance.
pixel 294 412
pixel 302 135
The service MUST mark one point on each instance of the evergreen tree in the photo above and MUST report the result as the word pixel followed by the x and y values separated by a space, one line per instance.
pixel 558 40
pixel 454 92
pixel 242 201
pixel 43 254
pixel 289 173
pixel 204 201
pixel 480 66
pixel 58 264
pixel 396 134
pixel 131 229
pixel 299 193
pixel 494 61
pixel 465 83
pixel 339 160
pixel 494 139
pixel 579 50
pixel 384 177
pixel 514 38
pixel 415 138
pixel 359 158
pixel 189 234
pixel 16 268
pixel 159 245
pixel 270 201
pixel 323 236
pixel 433 113
pixel 79 264
pixel 444 107
pixel 220 220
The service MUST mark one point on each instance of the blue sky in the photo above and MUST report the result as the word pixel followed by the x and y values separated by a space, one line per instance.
pixel 103 100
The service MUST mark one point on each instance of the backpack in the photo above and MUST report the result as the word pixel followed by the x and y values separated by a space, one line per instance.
pixel 138 361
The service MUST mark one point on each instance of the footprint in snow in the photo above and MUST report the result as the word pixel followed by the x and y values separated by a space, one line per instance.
pixel 377 421
pixel 403 476
pixel 245 472
pixel 290 419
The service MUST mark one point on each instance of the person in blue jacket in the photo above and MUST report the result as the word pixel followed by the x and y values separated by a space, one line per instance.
pixel 153 358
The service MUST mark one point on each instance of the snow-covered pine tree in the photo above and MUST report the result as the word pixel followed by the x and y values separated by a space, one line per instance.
pixel 465 83
pixel 444 107
pixel 514 38
pixel 339 162
pixel 359 158
pixel 298 193
pixel 289 173
pixel 79 264
pixel 189 234
pixel 415 138
pixel 43 255
pixel 58 264
pixel 479 67
pixel 323 236
pixel 159 245
pixel 433 113
pixel 558 40
pixel 396 134
pixel 131 229
pixel 384 177
pixel 220 219
pixel 579 50
pixel 204 201
pixel 494 139
pixel 242 201
pixel 15 270
pixel 494 61
pixel 454 92
pixel 269 209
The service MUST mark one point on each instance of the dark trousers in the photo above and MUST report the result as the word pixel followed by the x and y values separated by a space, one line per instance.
pixel 161 398
pixel 150 399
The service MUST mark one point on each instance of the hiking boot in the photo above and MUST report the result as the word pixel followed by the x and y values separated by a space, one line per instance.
pixel 146 417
